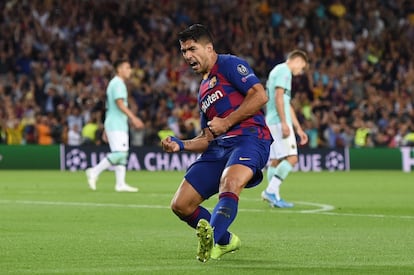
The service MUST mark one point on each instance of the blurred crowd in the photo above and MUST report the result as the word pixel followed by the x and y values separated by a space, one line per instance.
pixel 56 56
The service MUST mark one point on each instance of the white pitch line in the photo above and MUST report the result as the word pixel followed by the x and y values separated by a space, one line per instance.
pixel 323 208
pixel 88 204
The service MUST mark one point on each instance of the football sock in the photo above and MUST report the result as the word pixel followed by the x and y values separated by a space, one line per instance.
pixel 199 213
pixel 274 186
pixel 102 165
pixel 281 172
pixel 120 172
pixel 271 171
pixel 223 215
pixel 283 169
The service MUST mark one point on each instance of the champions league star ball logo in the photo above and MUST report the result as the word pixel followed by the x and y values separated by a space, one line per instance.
pixel 76 160
pixel 334 161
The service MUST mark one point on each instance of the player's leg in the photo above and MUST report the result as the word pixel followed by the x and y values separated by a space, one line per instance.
pixel 121 185
pixel 244 169
pixel 283 158
pixel 186 204
pixel 281 171
pixel 92 173
pixel 235 178
pixel 119 144
pixel 201 182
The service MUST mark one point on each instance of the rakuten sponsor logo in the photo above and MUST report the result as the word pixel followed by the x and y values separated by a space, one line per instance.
pixel 210 99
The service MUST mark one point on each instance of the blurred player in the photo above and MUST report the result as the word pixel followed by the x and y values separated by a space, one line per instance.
pixel 116 129
pixel 282 122
pixel 234 143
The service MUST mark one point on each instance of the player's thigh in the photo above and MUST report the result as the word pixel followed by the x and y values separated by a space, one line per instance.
pixel 251 154
pixel 118 141
pixel 204 176
pixel 235 178
pixel 282 147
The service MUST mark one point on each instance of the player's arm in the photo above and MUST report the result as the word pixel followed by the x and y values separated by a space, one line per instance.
pixel 298 129
pixel 255 98
pixel 136 122
pixel 198 144
pixel 280 108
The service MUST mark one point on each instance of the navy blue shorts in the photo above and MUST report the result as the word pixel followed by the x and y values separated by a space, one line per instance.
pixel 205 173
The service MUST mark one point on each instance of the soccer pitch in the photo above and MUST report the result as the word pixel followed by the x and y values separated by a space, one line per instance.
pixel 342 223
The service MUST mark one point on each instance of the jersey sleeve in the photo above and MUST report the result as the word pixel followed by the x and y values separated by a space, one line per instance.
pixel 283 78
pixel 240 74
pixel 119 91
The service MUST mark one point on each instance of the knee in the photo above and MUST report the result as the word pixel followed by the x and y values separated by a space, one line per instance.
pixel 231 183
pixel 118 158
pixel 292 160
pixel 175 207
pixel 179 208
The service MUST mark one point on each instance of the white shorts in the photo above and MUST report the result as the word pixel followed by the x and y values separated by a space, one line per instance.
pixel 282 147
pixel 118 141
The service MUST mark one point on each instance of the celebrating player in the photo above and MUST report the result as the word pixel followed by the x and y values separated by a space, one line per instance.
pixel 234 143
pixel 281 118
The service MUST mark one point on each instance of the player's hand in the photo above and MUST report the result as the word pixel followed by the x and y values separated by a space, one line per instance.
pixel 169 146
pixel 137 123
pixel 303 137
pixel 285 130
pixel 104 136
pixel 218 126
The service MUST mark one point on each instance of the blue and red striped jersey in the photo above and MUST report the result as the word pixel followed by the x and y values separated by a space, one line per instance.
pixel 224 91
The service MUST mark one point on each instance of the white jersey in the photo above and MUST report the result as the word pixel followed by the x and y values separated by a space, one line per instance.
pixel 115 119
pixel 279 77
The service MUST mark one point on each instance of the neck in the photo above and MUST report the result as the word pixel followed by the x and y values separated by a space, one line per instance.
pixel 123 79
pixel 213 60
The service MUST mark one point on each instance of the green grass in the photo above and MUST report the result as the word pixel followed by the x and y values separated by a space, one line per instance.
pixel 50 223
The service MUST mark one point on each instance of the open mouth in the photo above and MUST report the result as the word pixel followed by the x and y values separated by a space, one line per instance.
pixel 193 64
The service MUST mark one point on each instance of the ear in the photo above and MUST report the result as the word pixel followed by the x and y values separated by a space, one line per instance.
pixel 209 47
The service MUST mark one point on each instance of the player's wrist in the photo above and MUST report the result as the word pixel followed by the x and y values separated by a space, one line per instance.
pixel 179 142
pixel 228 123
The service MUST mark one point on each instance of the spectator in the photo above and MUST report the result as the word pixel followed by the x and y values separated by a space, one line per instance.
pixel 74 136
pixel 14 132
pixel 89 132
pixel 357 61
pixel 43 131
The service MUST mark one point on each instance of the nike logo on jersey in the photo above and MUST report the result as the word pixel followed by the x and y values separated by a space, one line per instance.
pixel 241 158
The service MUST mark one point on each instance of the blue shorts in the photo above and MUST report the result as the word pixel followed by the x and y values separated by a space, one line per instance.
pixel 205 173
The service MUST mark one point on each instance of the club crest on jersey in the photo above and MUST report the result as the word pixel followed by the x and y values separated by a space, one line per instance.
pixel 212 82
pixel 242 69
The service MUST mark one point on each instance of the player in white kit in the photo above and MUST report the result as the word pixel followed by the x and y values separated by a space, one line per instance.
pixel 116 129
pixel 282 122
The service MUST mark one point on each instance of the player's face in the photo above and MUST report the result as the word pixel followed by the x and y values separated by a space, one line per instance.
pixel 124 70
pixel 196 55
pixel 299 66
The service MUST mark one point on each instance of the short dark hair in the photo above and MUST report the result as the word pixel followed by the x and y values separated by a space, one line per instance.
pixel 298 53
pixel 119 62
pixel 196 32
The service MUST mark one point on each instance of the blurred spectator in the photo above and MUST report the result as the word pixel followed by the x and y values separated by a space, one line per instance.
pixel 56 130
pixel 89 131
pixel 74 136
pixel 43 131
pixel 14 132
pixel 75 117
pixel 60 53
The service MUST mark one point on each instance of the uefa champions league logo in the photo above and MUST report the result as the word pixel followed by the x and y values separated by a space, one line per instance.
pixel 76 160
pixel 334 161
